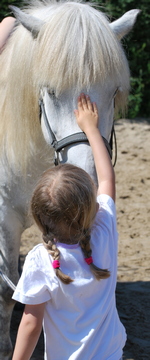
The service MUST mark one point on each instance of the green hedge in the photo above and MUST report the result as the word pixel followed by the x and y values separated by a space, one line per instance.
pixel 136 45
pixel 4 10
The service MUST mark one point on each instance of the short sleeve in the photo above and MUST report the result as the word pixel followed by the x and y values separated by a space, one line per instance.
pixel 107 203
pixel 37 279
pixel 104 235
pixel 107 212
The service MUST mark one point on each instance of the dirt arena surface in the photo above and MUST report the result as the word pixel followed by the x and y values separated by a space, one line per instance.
pixel 133 209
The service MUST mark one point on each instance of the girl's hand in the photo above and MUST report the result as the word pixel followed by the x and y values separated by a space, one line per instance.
pixel 86 114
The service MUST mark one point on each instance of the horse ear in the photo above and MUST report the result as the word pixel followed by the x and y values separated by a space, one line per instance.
pixel 123 25
pixel 30 22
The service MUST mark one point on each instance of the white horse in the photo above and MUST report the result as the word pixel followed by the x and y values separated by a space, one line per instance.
pixel 57 50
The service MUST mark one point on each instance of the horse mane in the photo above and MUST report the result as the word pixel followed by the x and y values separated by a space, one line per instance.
pixel 75 48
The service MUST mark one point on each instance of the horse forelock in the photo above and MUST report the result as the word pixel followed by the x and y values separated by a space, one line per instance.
pixel 75 48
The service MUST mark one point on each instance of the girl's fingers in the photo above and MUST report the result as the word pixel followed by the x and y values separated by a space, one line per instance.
pixel 79 102
pixel 83 101
pixel 86 103
pixel 82 105
pixel 89 103
pixel 95 108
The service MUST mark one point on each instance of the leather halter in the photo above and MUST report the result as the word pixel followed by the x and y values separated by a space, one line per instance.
pixel 76 138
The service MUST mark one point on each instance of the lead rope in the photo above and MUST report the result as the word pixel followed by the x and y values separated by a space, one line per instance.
pixel 115 152
pixel 111 142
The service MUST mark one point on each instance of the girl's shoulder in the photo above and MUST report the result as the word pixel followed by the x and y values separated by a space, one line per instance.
pixel 104 234
pixel 38 256
pixel 37 250
pixel 106 216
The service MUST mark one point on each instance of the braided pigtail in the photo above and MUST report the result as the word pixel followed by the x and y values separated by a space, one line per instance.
pixel 52 249
pixel 86 249
pixel 63 205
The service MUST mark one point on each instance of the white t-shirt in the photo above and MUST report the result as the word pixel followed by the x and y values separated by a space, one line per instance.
pixel 80 319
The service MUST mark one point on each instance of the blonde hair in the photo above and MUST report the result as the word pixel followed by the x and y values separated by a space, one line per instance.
pixel 64 206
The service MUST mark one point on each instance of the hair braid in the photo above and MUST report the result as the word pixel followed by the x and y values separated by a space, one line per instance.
pixel 52 249
pixel 86 249
pixel 64 207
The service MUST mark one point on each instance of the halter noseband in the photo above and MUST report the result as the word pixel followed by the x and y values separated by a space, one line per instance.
pixel 76 138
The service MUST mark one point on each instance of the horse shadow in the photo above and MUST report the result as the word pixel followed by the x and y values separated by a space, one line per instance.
pixel 133 304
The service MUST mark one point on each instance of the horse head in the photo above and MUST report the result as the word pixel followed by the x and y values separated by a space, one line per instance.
pixel 76 49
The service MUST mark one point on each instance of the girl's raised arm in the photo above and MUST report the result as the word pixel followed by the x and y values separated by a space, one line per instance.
pixel 87 119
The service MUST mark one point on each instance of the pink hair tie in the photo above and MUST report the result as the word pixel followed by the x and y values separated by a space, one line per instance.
pixel 89 260
pixel 56 264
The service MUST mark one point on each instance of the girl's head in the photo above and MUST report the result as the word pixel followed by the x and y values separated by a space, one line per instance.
pixel 64 203
pixel 64 206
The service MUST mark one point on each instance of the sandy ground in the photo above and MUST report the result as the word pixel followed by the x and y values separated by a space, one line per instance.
pixel 133 209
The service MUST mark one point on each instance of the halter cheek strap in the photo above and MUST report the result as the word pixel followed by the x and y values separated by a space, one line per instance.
pixel 72 139
pixel 89 260
pixel 56 264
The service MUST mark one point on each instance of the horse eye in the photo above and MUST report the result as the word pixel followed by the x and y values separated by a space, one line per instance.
pixel 51 92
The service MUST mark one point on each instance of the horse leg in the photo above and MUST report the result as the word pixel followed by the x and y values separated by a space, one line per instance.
pixel 10 233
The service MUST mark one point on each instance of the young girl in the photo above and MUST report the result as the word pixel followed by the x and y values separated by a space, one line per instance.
pixel 68 282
